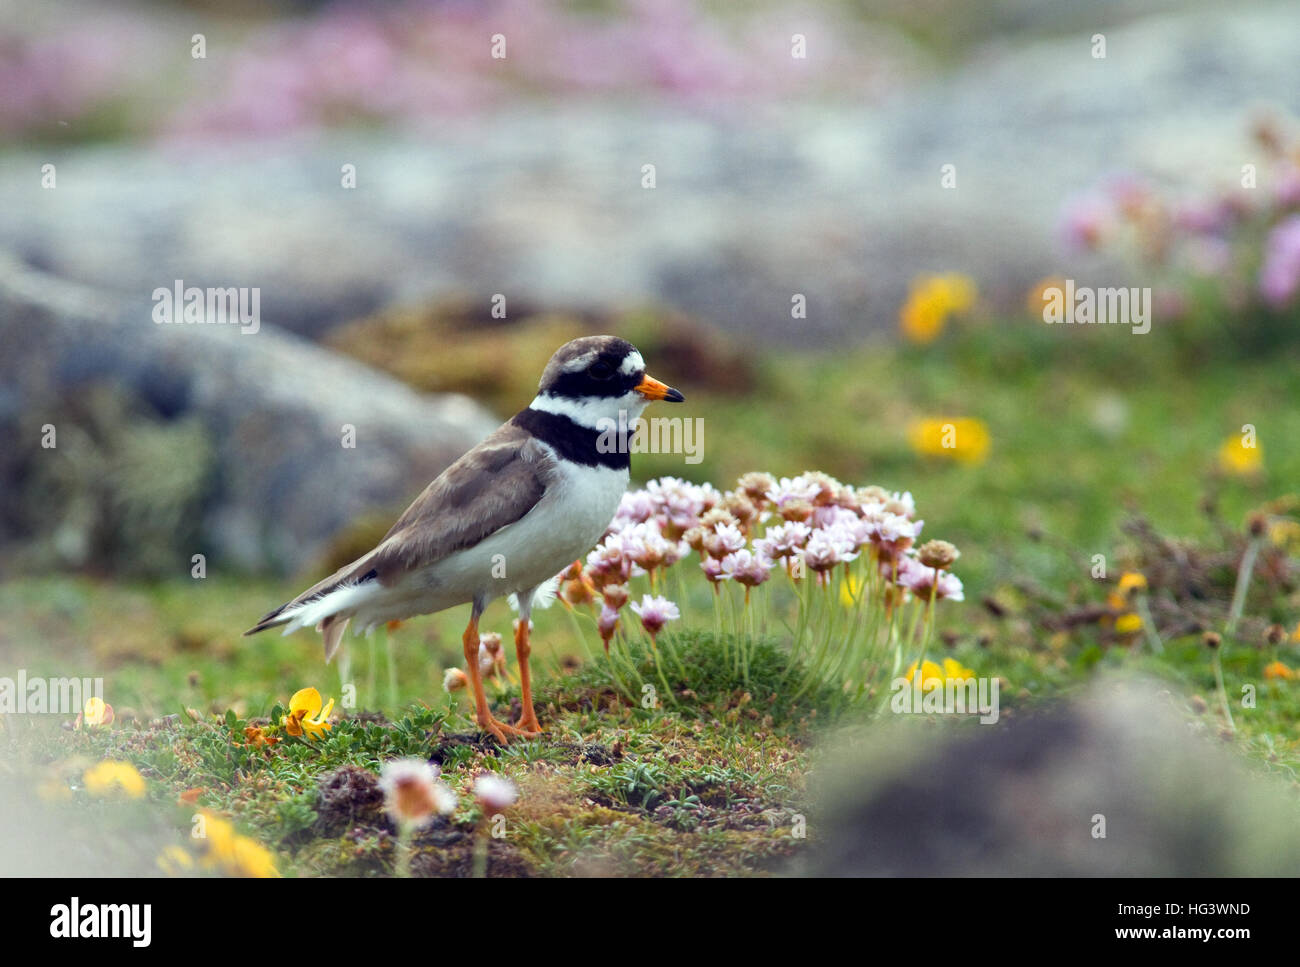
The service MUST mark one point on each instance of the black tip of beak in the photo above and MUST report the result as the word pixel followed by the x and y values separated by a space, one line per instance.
pixel 673 396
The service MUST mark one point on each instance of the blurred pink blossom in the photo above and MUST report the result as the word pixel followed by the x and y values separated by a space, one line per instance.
pixel 1279 278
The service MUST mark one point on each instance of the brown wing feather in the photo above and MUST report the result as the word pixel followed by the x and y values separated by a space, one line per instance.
pixel 490 487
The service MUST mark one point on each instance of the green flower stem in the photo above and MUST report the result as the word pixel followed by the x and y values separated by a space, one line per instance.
pixel 1223 692
pixel 929 623
pixel 1149 626
pixel 344 665
pixel 1243 583
pixel 717 621
pixel 405 833
pixel 672 654
pixel 824 622
pixel 618 656
pixel 392 671
pixel 372 655
pixel 577 630
pixel 481 840
pixel 663 679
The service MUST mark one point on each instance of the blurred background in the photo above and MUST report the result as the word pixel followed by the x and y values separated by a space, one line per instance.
pixel 379 177
pixel 210 142
pixel 913 174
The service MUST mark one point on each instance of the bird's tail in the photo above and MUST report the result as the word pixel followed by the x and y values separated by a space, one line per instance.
pixel 328 606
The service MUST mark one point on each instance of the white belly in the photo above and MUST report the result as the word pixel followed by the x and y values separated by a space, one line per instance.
pixel 565 524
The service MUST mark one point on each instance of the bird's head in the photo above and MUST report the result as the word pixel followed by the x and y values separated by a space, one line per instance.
pixel 598 377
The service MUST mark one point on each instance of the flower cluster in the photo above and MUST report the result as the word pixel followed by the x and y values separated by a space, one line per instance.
pixel 1239 245
pixel 417 61
pixel 811 528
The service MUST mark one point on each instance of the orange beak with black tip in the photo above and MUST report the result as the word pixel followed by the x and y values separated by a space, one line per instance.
pixel 652 389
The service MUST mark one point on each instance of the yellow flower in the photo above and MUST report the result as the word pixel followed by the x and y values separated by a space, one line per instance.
pixel 1125 622
pixel 850 591
pixel 305 714
pixel 965 439
pixel 1128 624
pixel 97 712
pixel 174 861
pixel 932 299
pixel 951 670
pixel 1285 533
pixel 954 670
pixel 110 777
pixel 1239 460
pixel 1034 300
pixel 1277 669
pixel 1131 581
pixel 929 670
pixel 231 853
pixel 218 838
pixel 253 859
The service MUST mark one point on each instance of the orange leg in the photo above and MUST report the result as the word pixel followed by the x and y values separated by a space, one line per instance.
pixel 483 716
pixel 527 723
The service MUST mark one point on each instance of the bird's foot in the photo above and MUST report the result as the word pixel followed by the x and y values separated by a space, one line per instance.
pixel 529 726
pixel 503 731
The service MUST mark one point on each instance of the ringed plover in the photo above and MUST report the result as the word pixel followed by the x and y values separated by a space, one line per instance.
pixel 503 519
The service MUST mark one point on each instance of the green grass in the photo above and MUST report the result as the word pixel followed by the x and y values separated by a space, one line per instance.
pixel 1055 464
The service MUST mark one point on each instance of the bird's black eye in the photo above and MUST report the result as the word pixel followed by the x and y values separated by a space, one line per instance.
pixel 601 370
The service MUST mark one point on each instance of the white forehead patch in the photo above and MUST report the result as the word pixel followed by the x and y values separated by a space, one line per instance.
pixel 579 363
pixel 632 363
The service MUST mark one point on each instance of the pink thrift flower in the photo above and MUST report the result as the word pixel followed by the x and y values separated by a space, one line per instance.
pixel 607 624
pixel 746 569
pixel 783 540
pixel 495 792
pixel 1084 222
pixel 725 539
pixel 1286 189
pixel 1279 279
pixel 823 552
pixel 655 612
pixel 920 580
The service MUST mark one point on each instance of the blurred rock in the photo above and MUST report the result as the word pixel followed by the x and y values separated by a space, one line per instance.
pixel 196 438
pixel 1019 798
pixel 842 204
